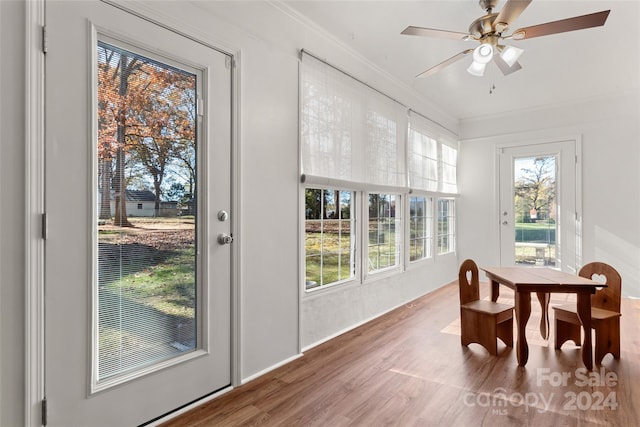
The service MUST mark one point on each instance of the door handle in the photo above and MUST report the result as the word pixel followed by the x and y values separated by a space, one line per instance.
pixel 505 222
pixel 225 239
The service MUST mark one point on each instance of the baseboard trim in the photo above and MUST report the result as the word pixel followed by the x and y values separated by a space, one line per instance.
pixel 271 368
pixel 189 407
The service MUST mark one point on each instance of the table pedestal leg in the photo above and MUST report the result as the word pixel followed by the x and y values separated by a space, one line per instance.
pixel 584 313
pixel 543 297
pixel 523 311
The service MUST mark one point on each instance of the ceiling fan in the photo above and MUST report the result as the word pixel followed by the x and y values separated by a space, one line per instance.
pixel 490 30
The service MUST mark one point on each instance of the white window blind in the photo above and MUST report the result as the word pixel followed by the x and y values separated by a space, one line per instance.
pixel 146 267
pixel 349 131
pixel 433 156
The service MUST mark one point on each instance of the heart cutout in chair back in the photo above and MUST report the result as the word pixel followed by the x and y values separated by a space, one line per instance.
pixel 599 278
pixel 469 276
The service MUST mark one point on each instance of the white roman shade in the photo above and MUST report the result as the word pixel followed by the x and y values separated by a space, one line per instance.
pixel 433 156
pixel 350 132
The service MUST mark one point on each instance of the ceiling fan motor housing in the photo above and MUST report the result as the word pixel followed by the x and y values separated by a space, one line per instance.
pixel 482 26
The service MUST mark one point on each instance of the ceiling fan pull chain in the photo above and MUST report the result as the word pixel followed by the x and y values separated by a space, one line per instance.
pixel 493 82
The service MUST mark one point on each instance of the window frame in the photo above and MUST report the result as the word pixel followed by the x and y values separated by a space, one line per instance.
pixel 454 234
pixel 201 256
pixel 400 235
pixel 430 228
pixel 355 266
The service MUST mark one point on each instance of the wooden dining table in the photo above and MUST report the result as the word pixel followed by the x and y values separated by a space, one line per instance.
pixel 543 281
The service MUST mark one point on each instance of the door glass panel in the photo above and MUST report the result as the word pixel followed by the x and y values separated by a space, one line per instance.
pixel 535 210
pixel 146 227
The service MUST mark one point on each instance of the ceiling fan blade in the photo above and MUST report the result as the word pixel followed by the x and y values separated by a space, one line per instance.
pixel 504 67
pixel 564 25
pixel 511 11
pixel 444 64
pixel 430 32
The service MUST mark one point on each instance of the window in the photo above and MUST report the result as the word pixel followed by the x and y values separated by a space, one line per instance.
pixel 147 284
pixel 420 227
pixel 329 239
pixel 395 161
pixel 384 232
pixel 446 226
pixel 433 158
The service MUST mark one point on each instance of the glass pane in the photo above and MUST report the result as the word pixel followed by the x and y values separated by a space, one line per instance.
pixel 329 241
pixel 535 210
pixel 383 243
pixel 420 228
pixel 446 226
pixel 147 211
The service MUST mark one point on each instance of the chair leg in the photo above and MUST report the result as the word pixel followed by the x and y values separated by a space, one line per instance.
pixel 490 341
pixel 566 331
pixel 467 323
pixel 607 339
pixel 505 332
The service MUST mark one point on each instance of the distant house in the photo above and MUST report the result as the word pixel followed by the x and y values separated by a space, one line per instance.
pixel 143 203
pixel 139 203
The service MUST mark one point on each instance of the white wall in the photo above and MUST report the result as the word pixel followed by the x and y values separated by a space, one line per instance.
pixel 337 310
pixel 12 223
pixel 610 132
pixel 269 38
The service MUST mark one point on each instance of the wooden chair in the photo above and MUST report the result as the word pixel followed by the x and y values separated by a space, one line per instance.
pixel 605 314
pixel 482 322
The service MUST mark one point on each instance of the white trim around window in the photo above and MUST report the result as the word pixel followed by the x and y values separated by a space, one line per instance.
pixel 382 234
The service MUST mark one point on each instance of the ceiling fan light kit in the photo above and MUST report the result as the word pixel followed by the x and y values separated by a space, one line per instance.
pixel 510 54
pixel 490 29
pixel 476 69
pixel 483 53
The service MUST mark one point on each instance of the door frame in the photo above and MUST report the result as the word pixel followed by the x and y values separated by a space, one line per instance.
pixel 36 222
pixel 537 139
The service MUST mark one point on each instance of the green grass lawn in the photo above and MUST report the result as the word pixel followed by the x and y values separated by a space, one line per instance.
pixel 535 232
pixel 539 232
pixel 328 254
pixel 327 257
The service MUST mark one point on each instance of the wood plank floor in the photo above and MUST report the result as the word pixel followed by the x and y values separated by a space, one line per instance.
pixel 407 368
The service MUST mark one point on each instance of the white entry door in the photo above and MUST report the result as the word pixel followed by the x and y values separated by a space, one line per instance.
pixel 538 205
pixel 138 252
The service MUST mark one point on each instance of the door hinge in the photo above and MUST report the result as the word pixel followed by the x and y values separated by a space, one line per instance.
pixel 228 62
pixel 44 411
pixel 45 226
pixel 44 39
